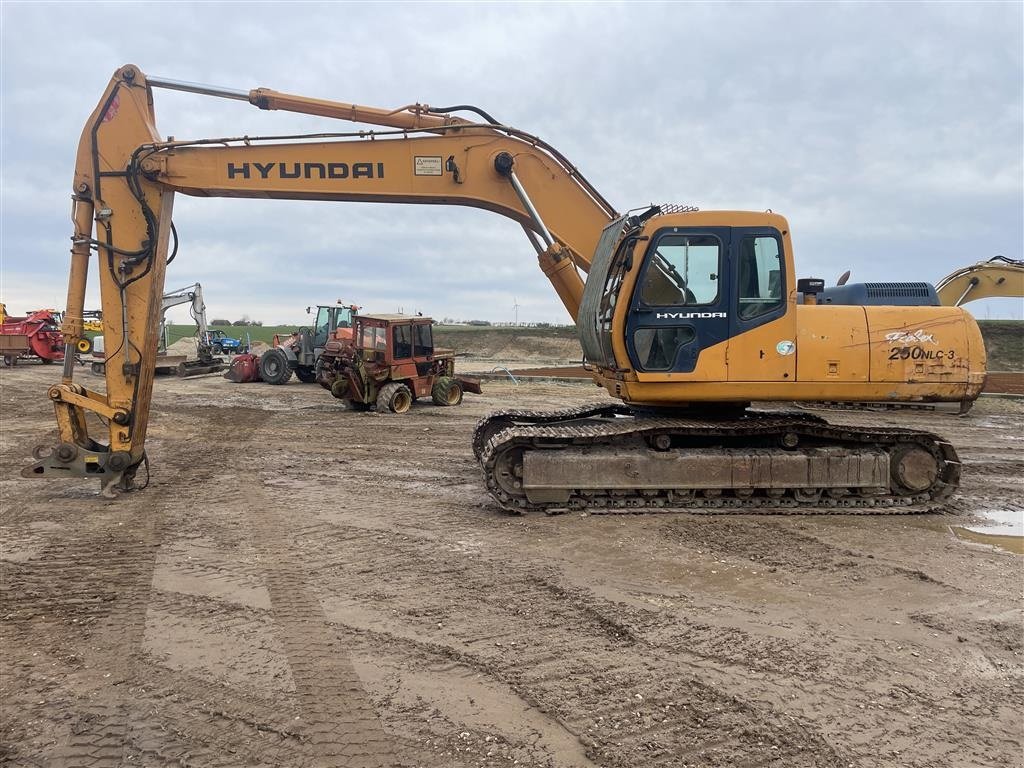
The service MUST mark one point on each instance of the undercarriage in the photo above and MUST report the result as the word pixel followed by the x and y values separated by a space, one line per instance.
pixel 611 458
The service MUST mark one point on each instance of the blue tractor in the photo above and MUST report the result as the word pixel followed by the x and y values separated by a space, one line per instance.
pixel 222 344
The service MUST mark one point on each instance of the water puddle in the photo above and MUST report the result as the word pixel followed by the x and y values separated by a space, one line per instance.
pixel 1002 528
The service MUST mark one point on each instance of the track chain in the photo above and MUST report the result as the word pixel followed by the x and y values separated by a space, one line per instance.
pixel 497 421
pixel 541 429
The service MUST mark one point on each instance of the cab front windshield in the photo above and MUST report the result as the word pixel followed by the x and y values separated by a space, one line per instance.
pixel 682 271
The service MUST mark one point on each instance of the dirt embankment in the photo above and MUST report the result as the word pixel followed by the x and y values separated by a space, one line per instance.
pixel 1004 343
pixel 302 585
pixel 483 348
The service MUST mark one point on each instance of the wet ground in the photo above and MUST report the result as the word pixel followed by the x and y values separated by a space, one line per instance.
pixel 304 586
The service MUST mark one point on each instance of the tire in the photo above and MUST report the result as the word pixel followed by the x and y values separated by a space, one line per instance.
pixel 217 349
pixel 84 346
pixel 394 397
pixel 99 368
pixel 305 375
pixel 10 361
pixel 274 368
pixel 319 376
pixel 446 391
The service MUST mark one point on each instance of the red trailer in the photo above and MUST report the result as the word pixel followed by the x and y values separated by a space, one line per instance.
pixel 32 337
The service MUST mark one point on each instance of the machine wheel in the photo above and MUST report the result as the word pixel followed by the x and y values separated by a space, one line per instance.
pixel 274 367
pixel 84 346
pixel 305 375
pixel 99 369
pixel 394 397
pixel 10 361
pixel 446 391
pixel 217 349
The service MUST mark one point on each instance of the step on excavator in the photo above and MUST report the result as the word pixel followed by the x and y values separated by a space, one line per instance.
pixel 685 316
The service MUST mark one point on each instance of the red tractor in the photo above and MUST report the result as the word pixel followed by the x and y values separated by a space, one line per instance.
pixel 390 362
pixel 32 337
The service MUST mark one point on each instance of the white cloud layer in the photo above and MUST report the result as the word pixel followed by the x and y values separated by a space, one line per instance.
pixel 890 135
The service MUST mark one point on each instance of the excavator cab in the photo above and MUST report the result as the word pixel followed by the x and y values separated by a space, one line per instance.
pixel 684 290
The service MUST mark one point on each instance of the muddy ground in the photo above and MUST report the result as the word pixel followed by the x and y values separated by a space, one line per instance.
pixel 304 586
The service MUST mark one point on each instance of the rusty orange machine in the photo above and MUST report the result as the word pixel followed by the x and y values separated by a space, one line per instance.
pixel 685 316
pixel 389 362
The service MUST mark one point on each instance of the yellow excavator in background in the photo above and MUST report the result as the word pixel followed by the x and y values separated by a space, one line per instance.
pixel 685 316
pixel 999 277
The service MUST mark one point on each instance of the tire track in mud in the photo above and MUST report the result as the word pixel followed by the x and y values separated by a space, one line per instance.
pixel 577 660
pixel 102 581
pixel 338 719
pixel 247 553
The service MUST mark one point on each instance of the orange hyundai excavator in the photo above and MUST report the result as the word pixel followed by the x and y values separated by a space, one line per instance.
pixel 685 316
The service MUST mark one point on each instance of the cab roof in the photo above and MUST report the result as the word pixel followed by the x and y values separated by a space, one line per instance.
pixel 394 318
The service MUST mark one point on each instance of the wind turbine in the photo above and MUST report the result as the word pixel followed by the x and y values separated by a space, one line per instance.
pixel 515 308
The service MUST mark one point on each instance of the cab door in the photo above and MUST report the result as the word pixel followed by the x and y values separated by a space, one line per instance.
pixel 322 328
pixel 680 304
pixel 762 337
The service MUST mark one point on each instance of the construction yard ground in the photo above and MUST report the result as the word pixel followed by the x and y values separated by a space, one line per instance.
pixel 301 585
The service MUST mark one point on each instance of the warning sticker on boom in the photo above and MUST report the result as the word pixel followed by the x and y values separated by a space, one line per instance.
pixel 428 166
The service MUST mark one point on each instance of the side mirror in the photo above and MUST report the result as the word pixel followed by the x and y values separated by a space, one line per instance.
pixel 308 310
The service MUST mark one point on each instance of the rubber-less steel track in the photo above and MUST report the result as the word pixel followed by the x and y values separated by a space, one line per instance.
pixel 502 439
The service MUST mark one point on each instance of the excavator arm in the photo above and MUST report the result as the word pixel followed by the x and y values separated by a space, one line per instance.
pixel 126 176
pixel 996 278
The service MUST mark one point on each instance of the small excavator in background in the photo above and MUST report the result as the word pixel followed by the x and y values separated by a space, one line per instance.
pixel 175 365
pixel 685 316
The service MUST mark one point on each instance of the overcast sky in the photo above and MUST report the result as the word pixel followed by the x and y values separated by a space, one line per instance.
pixel 891 136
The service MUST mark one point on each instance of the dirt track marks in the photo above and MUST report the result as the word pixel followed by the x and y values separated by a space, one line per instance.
pixel 628 703
pixel 337 716
pixel 99 583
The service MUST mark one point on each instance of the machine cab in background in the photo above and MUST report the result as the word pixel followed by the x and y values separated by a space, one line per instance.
pixel 332 322
pixel 717 294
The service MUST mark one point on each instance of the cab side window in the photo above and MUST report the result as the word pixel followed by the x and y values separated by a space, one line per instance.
pixel 759 276
pixel 402 337
pixel 424 340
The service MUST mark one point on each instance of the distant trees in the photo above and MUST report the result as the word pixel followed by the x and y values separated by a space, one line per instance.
pixel 220 321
